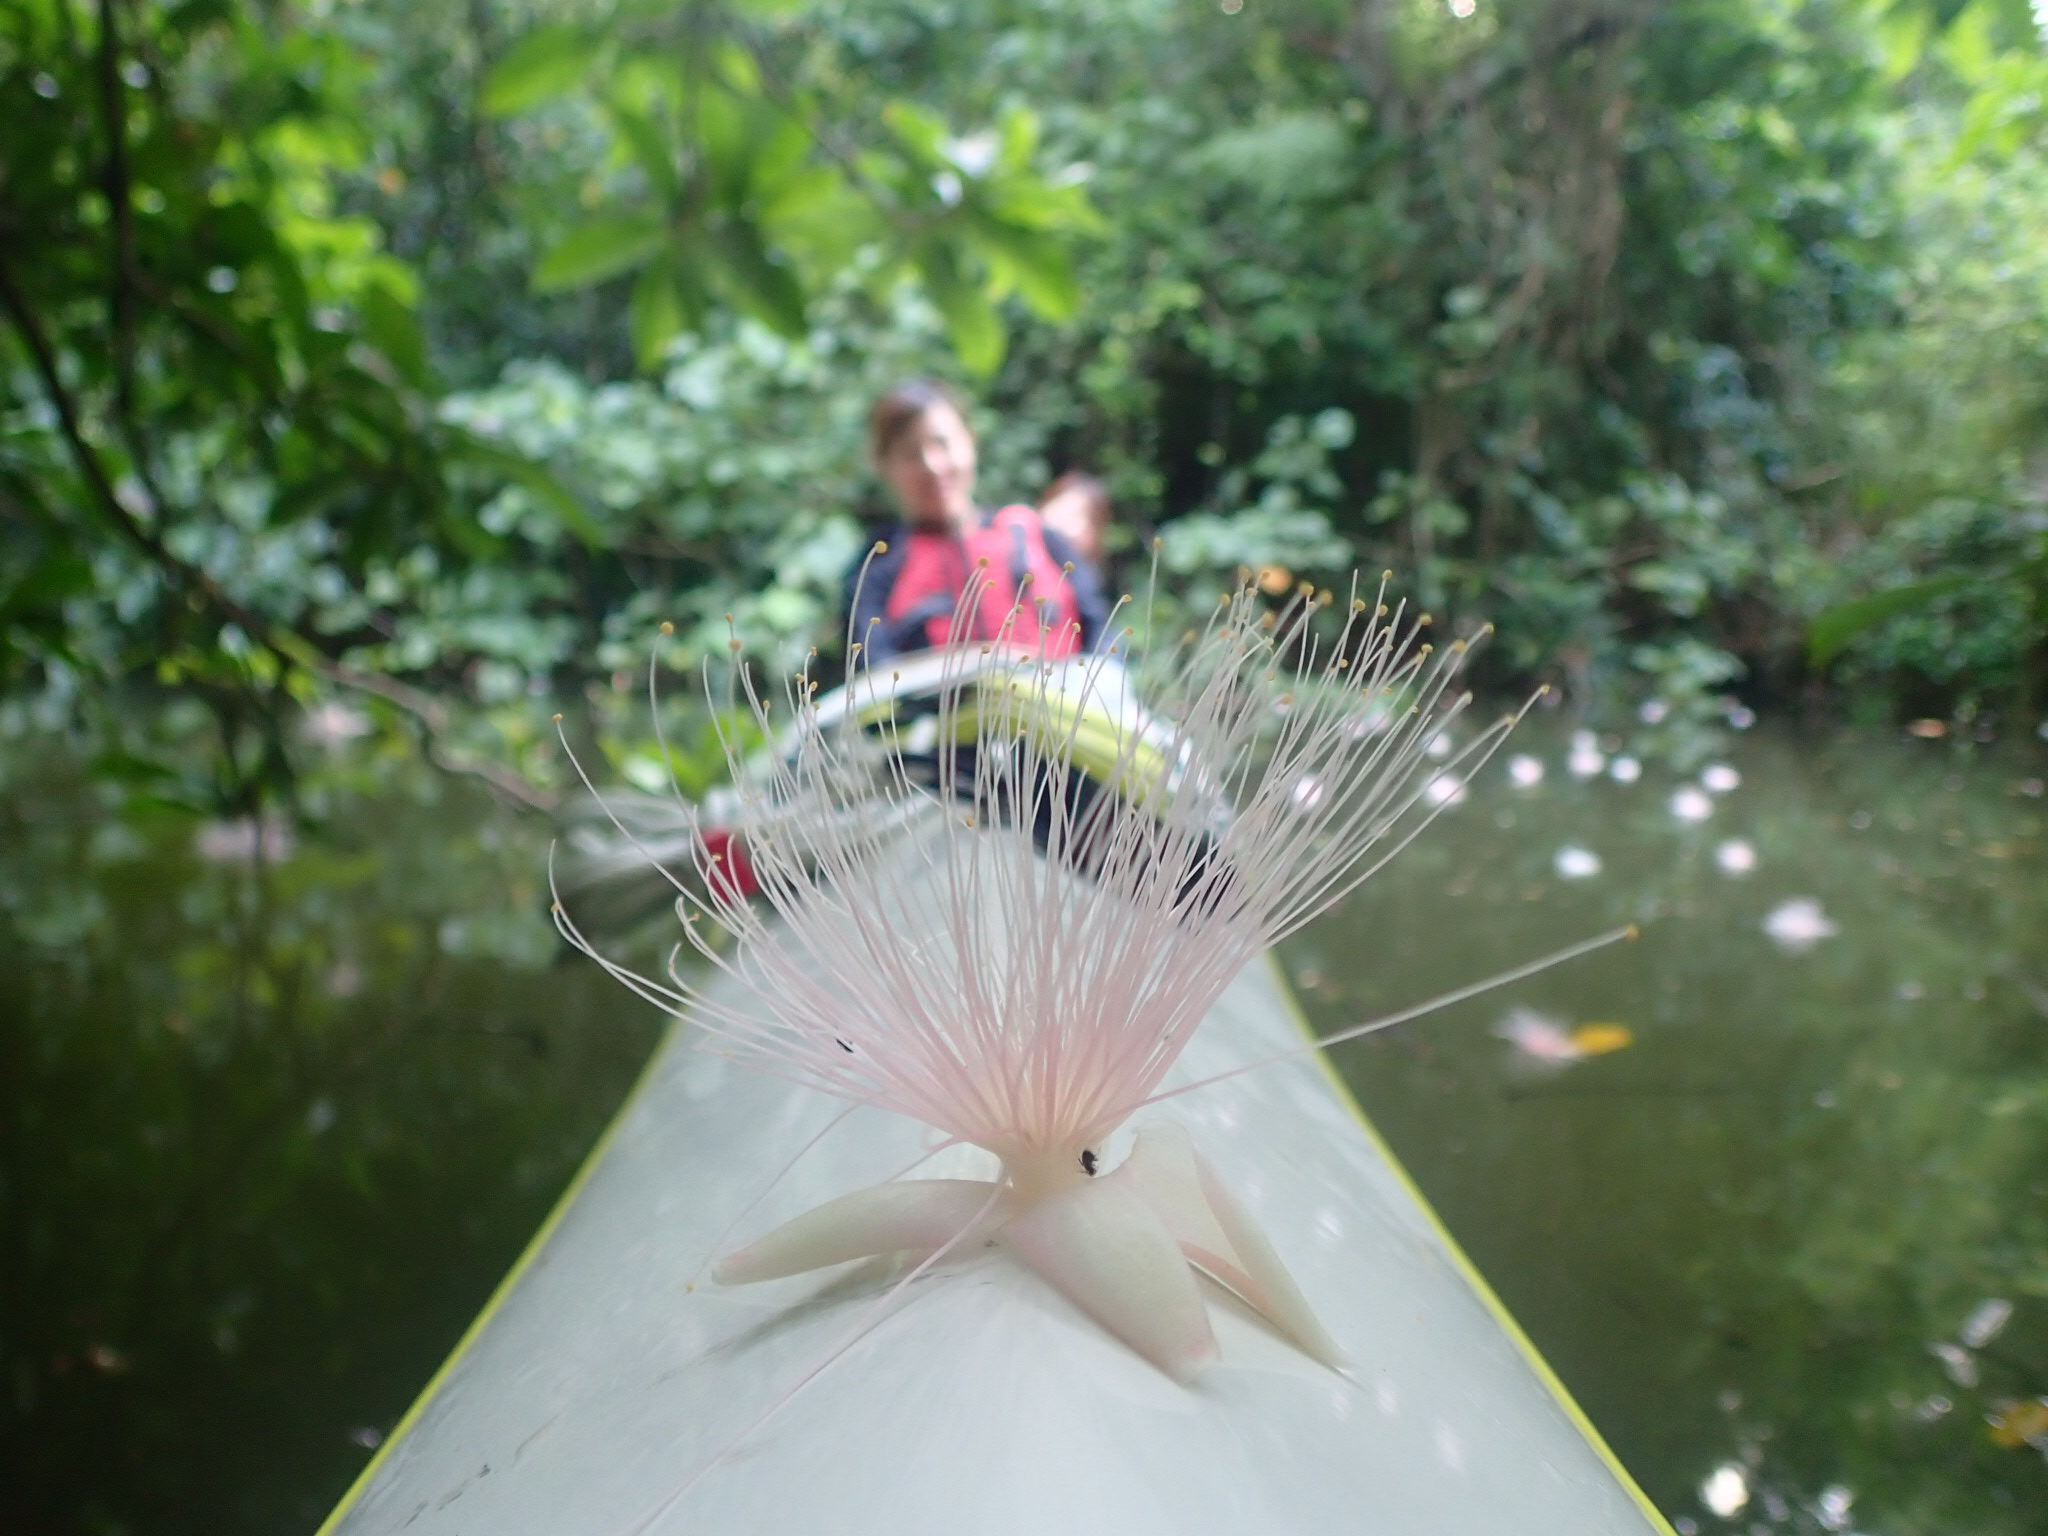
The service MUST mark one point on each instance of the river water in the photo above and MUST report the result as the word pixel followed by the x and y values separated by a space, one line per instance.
pixel 1788 1244
pixel 1769 1187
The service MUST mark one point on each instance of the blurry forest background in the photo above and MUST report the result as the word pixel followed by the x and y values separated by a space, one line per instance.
pixel 377 375
pixel 435 353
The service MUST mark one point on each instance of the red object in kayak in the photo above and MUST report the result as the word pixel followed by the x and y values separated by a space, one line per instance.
pixel 732 872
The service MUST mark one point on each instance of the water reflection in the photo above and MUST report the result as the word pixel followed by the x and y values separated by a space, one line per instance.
pixel 1738 1239
pixel 278 1107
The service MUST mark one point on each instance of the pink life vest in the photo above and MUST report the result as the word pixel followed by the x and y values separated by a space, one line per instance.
pixel 1026 598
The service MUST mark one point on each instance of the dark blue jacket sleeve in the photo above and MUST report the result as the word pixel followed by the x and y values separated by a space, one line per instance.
pixel 867 605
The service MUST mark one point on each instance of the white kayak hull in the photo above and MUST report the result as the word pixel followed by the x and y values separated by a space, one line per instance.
pixel 609 1371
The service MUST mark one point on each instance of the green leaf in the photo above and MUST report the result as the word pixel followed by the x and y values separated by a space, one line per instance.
pixel 651 152
pixel 1831 631
pixel 656 313
pixel 765 287
pixel 599 248
pixel 1035 262
pixel 395 329
pixel 971 320
pixel 1904 33
pixel 536 479
pixel 1968 43
pixel 923 133
pixel 549 61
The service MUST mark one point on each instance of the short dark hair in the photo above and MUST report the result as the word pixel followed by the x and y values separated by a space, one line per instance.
pixel 902 405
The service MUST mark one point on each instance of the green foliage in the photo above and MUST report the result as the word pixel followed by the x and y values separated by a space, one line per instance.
pixel 728 177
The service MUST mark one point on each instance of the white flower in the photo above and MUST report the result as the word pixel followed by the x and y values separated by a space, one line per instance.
pixel 1524 771
pixel 1056 993
pixel 1625 770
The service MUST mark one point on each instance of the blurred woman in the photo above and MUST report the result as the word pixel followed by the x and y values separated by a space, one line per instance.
pixel 1040 592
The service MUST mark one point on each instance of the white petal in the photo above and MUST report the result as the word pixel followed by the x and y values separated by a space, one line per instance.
pixel 1218 1233
pixel 920 1214
pixel 1105 1248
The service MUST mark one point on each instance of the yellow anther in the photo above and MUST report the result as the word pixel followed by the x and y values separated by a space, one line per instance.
pixel 558 719
pixel 1632 933
pixel 881 546
pixel 667 628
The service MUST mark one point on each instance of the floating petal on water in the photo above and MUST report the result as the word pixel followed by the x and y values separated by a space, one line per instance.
pixel 1736 856
pixel 1797 925
pixel 1577 863
pixel 1832 1507
pixel 1985 1322
pixel 1445 789
pixel 1726 1491
pixel 1538 1036
pixel 1960 1364
pixel 1692 804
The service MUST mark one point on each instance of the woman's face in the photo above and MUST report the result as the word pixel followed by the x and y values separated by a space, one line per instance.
pixel 930 467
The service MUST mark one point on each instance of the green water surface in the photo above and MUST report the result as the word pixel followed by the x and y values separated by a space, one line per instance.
pixel 1748 1239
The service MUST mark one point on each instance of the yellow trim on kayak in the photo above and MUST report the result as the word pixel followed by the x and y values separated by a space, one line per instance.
pixel 482 1320
pixel 1466 1267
